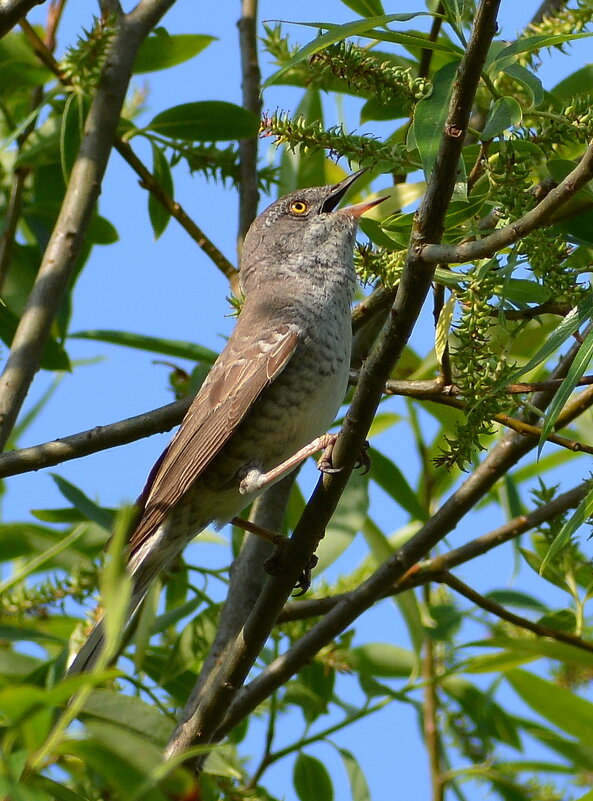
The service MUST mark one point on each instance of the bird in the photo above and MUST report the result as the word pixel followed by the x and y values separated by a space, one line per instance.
pixel 271 394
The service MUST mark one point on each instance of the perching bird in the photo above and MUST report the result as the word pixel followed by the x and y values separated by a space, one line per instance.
pixel 276 386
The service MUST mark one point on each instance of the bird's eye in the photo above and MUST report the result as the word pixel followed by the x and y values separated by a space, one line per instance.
pixel 299 207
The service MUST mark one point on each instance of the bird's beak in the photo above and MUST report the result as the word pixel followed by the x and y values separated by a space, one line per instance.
pixel 339 190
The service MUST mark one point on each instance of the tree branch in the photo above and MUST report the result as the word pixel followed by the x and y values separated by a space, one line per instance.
pixel 12 11
pixel 93 440
pixel 75 214
pixel 281 669
pixel 248 188
pixel 503 237
pixel 516 620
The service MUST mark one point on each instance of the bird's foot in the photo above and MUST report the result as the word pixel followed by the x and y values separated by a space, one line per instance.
pixel 272 565
pixel 325 464
pixel 364 460
pixel 253 480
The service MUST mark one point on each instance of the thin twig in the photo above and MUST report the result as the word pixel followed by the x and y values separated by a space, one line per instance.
pixel 430 705
pixel 251 81
pixel 430 569
pixel 496 609
pixel 176 210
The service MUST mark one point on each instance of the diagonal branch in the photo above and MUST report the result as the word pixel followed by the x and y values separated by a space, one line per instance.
pixel 201 723
pixel 502 238
pixel 12 11
pixel 281 669
pixel 516 620
pixel 75 214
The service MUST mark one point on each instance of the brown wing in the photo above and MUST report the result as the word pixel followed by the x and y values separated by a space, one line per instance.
pixel 243 370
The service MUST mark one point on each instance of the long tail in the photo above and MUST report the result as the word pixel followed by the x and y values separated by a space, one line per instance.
pixel 86 658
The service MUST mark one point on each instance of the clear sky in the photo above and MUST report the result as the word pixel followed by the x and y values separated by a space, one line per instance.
pixel 169 288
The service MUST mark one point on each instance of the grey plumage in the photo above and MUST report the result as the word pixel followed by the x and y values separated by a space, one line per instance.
pixel 276 386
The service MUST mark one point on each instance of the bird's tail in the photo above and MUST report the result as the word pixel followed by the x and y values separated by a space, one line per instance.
pixel 87 657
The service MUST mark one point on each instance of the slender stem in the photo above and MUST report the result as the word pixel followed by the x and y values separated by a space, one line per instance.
pixel 496 609
pixel 430 707
pixel 176 210
pixel 251 80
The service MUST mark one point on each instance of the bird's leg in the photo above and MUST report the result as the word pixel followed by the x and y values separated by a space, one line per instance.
pixel 254 480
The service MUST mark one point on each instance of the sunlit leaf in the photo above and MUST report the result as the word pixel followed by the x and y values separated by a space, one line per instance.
pixel 205 121
pixel 162 49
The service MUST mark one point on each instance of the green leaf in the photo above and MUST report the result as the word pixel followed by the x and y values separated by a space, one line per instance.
pixel 517 599
pixel 123 777
pixel 53 357
pixel 359 27
pixel 91 511
pixel 346 522
pixel 560 706
pixel 56 791
pixel 443 327
pixel 359 789
pixel 490 718
pixel 530 82
pixel 578 83
pixel 530 43
pixel 311 779
pixel 71 132
pixel 166 347
pixel 562 332
pixel 365 8
pixel 162 50
pixel 582 513
pixel 205 121
pixel 129 712
pixel 116 587
pixel 522 290
pixel 159 215
pixel 430 116
pixel 382 659
pixel 505 113
pixel 391 479
pixel 575 372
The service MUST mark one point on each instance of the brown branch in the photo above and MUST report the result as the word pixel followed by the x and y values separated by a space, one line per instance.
pixel 496 609
pixel 430 706
pixel 414 286
pixel 13 11
pixel 147 179
pixel 251 80
pixel 75 214
pixel 426 54
pixel 176 210
pixel 503 237
pixel 430 569
pixel 93 440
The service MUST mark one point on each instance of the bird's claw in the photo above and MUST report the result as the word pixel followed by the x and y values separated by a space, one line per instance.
pixel 364 460
pixel 272 565
pixel 324 463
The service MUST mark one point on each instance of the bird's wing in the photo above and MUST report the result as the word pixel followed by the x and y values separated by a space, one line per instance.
pixel 235 382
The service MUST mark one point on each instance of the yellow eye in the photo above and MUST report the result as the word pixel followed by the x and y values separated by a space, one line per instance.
pixel 299 207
